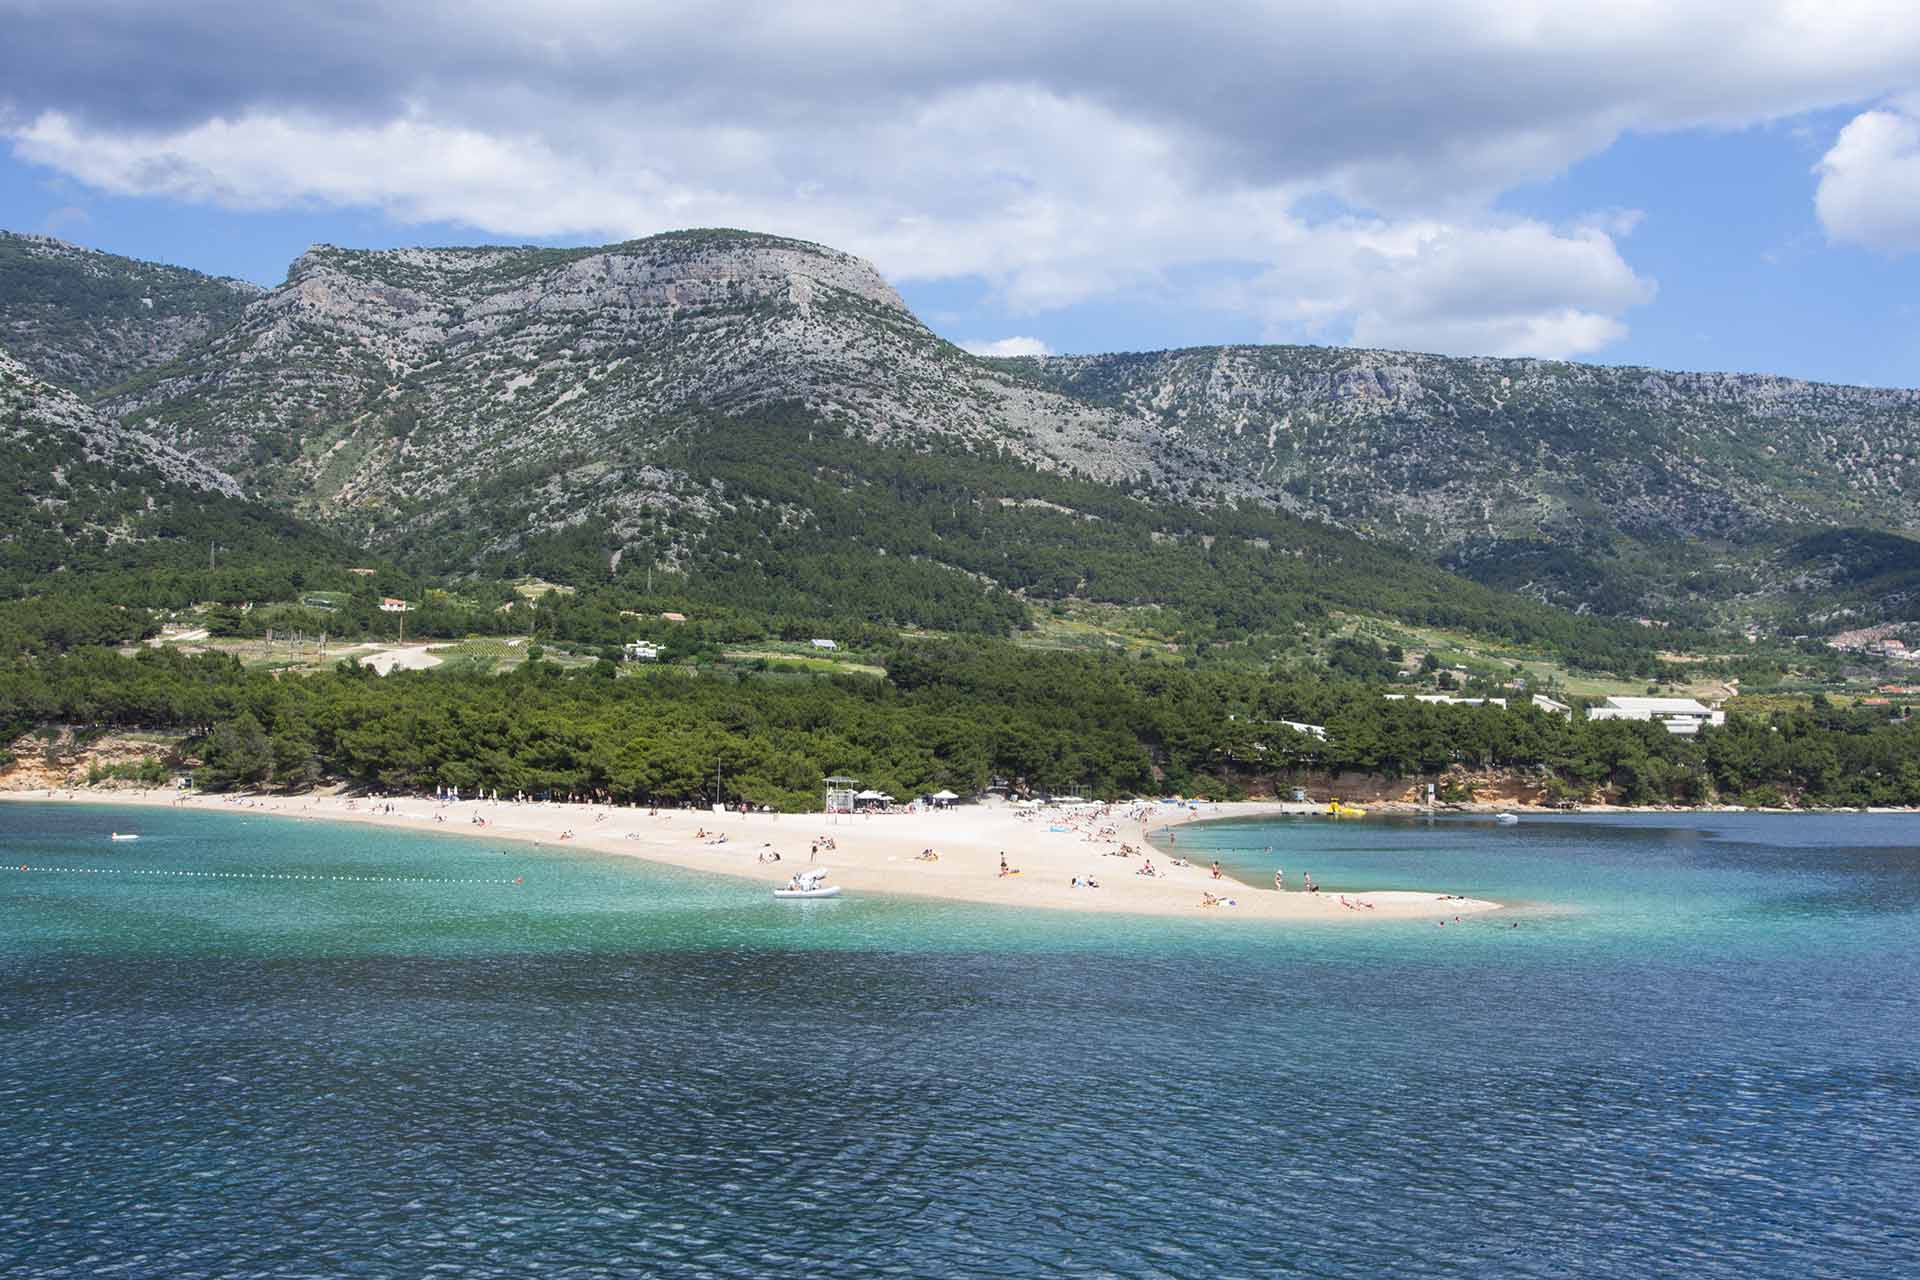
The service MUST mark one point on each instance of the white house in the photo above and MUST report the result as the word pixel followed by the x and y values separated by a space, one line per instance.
pixel 389 605
pixel 1552 708
pixel 1682 716
pixel 641 651
pixel 827 645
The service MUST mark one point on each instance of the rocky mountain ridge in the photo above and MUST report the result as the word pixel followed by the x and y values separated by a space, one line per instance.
pixel 86 319
pixel 407 395
pixel 1330 424
pixel 380 389
pixel 52 421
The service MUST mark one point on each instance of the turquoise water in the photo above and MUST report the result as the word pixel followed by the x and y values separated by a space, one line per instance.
pixel 1697 1055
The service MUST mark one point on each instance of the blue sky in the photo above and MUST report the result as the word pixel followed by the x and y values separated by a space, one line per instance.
pixel 1709 186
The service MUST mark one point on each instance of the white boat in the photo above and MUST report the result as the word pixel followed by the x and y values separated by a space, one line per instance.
pixel 808 884
pixel 1505 819
pixel 124 835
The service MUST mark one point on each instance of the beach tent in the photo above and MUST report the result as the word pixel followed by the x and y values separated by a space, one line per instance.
pixel 944 797
pixel 871 794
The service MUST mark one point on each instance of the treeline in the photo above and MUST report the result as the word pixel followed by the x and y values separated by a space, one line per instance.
pixel 953 716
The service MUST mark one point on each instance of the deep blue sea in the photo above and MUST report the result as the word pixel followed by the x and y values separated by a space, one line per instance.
pixel 359 1053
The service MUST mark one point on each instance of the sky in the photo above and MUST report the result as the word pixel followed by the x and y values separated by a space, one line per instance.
pixel 1693 185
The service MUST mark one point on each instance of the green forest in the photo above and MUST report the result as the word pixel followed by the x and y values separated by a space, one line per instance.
pixel 953 715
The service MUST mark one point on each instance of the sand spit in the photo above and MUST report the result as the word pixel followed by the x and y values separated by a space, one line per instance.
pixel 1046 849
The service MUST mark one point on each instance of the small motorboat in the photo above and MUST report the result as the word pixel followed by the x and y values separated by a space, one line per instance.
pixel 808 884
pixel 125 835
pixel 1506 819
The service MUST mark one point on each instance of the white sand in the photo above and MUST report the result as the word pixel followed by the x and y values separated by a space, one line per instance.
pixel 876 854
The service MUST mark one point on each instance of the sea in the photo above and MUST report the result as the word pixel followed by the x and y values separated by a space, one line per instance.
pixel 249 1046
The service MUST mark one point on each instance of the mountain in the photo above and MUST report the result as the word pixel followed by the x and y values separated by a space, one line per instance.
pixel 86 494
pixel 86 320
pixel 379 389
pixel 1617 488
pixel 484 406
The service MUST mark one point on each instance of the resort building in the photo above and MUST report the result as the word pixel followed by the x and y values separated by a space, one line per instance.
pixel 1682 716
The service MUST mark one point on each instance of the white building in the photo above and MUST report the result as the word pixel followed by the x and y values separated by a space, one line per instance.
pixel 641 651
pixel 1446 700
pixel 827 645
pixel 1552 708
pixel 1682 716
pixel 390 605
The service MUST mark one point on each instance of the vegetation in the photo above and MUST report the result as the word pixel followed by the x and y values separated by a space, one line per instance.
pixel 948 715
pixel 817 524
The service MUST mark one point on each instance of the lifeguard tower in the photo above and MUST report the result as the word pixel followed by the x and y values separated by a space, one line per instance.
pixel 840 793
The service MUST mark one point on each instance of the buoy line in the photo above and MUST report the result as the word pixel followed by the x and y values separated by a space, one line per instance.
pixel 262 875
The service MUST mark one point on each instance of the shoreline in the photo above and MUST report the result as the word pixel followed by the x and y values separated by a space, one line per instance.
pixel 1047 849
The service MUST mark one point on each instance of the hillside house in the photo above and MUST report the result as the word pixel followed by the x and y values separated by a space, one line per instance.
pixel 389 605
pixel 641 651
pixel 825 645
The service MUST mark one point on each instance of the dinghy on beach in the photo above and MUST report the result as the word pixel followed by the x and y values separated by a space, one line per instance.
pixel 808 884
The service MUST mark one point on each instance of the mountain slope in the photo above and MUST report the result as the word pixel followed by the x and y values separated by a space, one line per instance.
pixel 86 320
pixel 1599 486
pixel 469 404
pixel 84 494
pixel 380 389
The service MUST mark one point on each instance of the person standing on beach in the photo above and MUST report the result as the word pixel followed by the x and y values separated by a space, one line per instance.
pixel 1280 879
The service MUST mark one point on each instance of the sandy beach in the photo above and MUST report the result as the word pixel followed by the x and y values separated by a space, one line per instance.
pixel 1046 849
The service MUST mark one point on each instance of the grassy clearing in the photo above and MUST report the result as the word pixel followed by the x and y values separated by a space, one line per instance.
pixel 796 661
pixel 534 588
pixel 1102 628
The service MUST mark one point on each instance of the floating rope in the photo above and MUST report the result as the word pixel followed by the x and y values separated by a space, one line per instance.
pixel 263 875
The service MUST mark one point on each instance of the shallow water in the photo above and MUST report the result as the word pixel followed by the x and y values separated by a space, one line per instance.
pixel 1696 1055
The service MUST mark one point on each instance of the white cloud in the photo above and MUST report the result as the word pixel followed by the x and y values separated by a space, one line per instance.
pixel 1107 150
pixel 1869 191
pixel 1518 288
pixel 1015 346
